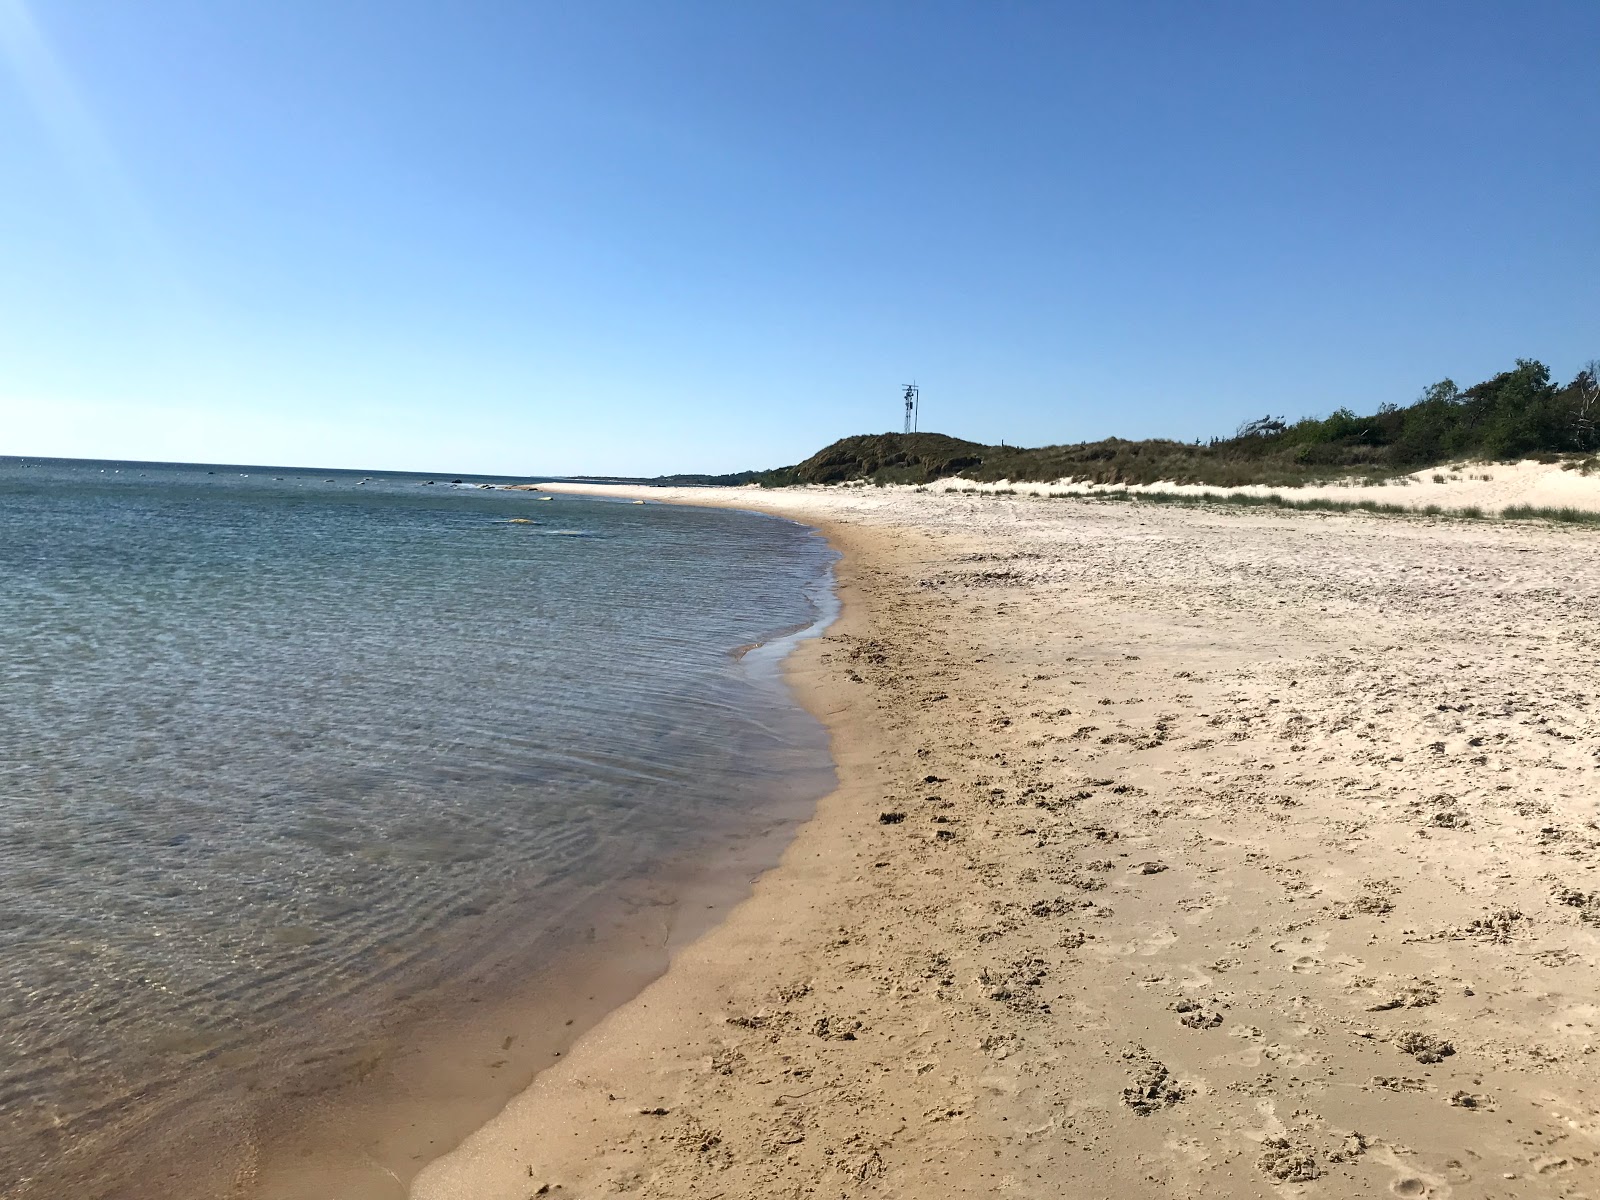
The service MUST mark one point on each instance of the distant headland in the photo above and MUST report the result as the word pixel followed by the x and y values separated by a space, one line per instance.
pixel 1517 414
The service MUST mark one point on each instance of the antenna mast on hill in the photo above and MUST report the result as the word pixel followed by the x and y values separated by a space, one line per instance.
pixel 913 398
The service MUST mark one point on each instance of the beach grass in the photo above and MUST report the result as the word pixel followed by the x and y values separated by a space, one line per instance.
pixel 1470 512
pixel 1565 516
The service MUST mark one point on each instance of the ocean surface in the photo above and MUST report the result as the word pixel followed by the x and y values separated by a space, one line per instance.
pixel 287 757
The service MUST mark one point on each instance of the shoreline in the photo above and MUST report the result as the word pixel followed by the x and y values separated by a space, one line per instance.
pixel 461 1172
pixel 1101 904
pixel 655 913
pixel 355 1091
pixel 359 1118
pixel 451 1070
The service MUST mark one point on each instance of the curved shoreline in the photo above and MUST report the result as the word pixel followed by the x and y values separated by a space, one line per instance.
pixel 1174 852
pixel 639 926
pixel 477 1167
pixel 353 1091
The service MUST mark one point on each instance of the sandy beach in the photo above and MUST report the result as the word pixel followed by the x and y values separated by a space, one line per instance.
pixel 1487 487
pixel 1177 851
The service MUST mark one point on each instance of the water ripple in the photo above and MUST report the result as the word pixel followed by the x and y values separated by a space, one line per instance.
pixel 273 745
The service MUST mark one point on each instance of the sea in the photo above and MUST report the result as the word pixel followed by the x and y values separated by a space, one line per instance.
pixel 335 804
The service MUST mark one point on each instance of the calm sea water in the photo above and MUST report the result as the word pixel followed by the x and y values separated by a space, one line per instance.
pixel 276 745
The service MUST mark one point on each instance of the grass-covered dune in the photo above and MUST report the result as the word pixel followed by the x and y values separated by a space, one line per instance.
pixel 1519 413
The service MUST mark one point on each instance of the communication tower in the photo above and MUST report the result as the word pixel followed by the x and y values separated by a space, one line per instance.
pixel 913 399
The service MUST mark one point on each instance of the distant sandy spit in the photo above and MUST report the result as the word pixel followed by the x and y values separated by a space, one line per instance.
pixel 1177 852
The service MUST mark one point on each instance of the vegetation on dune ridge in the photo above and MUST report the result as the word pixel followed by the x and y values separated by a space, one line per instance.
pixel 1519 413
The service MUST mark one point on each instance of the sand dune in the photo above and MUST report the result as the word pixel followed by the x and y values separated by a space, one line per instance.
pixel 1177 852
pixel 1488 486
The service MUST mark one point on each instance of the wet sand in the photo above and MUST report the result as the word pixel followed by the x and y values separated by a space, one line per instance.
pixel 361 1128
pixel 381 1093
pixel 1176 852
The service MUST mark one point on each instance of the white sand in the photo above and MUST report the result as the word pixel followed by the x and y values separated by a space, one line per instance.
pixel 1243 853
pixel 1489 486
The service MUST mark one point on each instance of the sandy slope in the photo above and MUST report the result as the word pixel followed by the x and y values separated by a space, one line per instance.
pixel 1488 486
pixel 1177 852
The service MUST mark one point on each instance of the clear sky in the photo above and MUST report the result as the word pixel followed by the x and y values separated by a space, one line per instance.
pixel 645 235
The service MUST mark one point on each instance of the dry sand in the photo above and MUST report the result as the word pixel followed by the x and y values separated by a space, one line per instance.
pixel 1177 852
pixel 1490 487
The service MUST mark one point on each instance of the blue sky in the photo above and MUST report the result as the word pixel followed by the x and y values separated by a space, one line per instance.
pixel 649 236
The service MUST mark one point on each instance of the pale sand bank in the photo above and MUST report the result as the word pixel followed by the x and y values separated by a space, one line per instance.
pixel 1242 854
pixel 1490 487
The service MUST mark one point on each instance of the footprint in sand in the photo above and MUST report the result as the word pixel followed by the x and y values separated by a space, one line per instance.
pixel 1410 1181
pixel 1575 1023
pixel 1305 952
pixel 1154 942
pixel 1284 1056
pixel 1414 1184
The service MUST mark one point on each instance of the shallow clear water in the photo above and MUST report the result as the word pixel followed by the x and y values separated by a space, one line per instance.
pixel 273 742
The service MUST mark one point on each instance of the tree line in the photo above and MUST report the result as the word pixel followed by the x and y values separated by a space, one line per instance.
pixel 1518 413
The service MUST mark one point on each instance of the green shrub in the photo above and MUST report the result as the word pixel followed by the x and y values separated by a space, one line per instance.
pixel 1519 412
